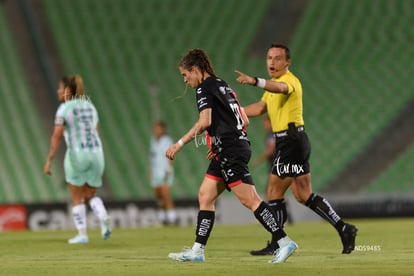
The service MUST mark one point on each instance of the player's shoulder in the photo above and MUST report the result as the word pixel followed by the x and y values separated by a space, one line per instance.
pixel 167 139
pixel 291 76
pixel 211 82
pixel 290 79
pixel 90 104
pixel 62 108
pixel 85 102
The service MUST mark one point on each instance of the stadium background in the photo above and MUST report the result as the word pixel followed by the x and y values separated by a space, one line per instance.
pixel 354 59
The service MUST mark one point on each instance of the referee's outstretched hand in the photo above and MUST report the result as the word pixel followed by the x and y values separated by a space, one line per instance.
pixel 244 79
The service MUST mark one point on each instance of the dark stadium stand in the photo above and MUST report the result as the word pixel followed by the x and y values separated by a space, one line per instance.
pixel 351 56
pixel 23 141
pixel 398 178
pixel 124 49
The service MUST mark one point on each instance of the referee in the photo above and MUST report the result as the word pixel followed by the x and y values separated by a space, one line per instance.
pixel 282 100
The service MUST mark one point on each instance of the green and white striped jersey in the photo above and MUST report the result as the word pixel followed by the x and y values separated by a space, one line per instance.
pixel 80 118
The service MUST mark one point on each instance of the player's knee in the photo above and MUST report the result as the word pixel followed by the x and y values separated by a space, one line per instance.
pixel 250 202
pixel 204 199
pixel 301 200
pixel 245 202
pixel 302 197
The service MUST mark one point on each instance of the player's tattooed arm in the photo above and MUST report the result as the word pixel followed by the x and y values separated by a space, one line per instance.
pixel 204 121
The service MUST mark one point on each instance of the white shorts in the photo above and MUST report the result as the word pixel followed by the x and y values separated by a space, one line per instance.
pixel 84 168
pixel 160 178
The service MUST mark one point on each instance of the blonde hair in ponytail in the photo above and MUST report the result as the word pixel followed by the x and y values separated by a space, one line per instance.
pixel 80 91
pixel 75 85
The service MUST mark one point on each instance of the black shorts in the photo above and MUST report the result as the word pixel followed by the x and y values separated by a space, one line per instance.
pixel 292 154
pixel 230 164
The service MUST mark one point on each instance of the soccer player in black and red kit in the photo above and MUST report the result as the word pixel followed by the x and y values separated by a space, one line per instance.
pixel 221 116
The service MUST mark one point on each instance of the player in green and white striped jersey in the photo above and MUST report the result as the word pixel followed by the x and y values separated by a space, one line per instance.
pixel 77 120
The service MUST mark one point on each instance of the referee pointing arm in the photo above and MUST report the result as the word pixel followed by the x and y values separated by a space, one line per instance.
pixel 282 100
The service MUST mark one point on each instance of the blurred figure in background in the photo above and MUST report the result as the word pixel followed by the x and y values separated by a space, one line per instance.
pixel 77 120
pixel 162 173
pixel 269 153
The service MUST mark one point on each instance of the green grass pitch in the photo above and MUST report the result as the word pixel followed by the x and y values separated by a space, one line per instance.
pixel 384 247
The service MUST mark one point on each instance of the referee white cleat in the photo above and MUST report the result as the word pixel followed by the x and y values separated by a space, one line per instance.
pixel 188 255
pixel 286 248
pixel 106 228
pixel 78 239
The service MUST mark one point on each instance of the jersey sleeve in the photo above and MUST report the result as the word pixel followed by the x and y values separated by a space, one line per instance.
pixel 204 98
pixel 95 111
pixel 59 117
pixel 288 81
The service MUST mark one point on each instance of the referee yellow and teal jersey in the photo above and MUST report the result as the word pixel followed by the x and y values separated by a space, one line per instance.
pixel 84 159
pixel 285 108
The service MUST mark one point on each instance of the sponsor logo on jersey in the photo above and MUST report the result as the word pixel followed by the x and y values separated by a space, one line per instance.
pixel 201 102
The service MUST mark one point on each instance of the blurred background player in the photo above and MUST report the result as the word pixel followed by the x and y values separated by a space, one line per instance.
pixel 77 120
pixel 269 152
pixel 221 115
pixel 162 173
pixel 282 100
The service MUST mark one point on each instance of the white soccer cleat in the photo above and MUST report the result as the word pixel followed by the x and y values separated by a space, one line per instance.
pixel 287 247
pixel 188 255
pixel 106 228
pixel 78 239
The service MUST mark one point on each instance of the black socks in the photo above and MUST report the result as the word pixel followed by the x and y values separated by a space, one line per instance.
pixel 205 222
pixel 279 208
pixel 267 218
pixel 322 207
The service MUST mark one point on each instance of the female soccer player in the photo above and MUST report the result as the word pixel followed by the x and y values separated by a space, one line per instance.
pixel 162 173
pixel 223 119
pixel 77 120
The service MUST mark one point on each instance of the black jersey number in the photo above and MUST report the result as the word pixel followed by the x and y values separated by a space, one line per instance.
pixel 237 114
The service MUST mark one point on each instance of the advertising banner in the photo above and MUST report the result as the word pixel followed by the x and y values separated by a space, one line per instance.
pixel 12 217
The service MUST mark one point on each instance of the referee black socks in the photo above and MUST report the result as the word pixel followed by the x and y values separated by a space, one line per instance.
pixel 322 207
pixel 279 208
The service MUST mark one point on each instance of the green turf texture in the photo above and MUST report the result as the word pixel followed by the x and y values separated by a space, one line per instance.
pixel 386 247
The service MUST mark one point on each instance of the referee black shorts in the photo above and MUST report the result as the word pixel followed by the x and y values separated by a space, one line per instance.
pixel 231 164
pixel 293 150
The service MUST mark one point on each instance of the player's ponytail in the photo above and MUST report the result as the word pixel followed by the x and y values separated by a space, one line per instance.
pixel 197 58
pixel 75 85
pixel 79 86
